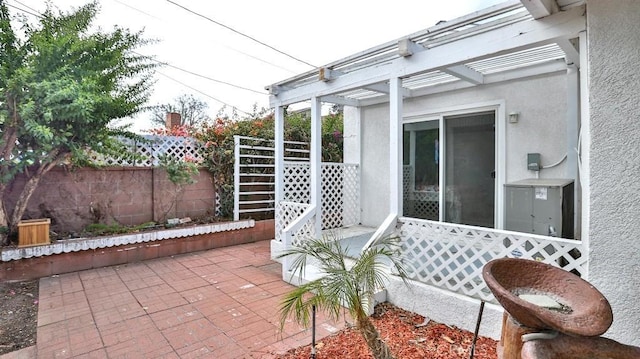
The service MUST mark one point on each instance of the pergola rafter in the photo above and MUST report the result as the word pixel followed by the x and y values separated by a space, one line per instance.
pixel 481 48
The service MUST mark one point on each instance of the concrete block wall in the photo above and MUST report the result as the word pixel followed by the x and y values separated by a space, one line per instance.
pixel 125 195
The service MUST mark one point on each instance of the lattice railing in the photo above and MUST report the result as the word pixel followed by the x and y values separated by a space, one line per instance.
pixel 340 191
pixel 288 213
pixel 451 256
pixel 149 152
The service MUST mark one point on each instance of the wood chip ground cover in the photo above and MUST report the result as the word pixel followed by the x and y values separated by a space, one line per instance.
pixel 398 328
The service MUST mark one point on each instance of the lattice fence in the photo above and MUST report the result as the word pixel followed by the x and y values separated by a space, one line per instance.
pixel 297 182
pixel 152 149
pixel 451 256
pixel 340 191
pixel 340 195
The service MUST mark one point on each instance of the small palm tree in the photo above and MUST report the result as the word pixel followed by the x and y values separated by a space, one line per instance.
pixel 350 285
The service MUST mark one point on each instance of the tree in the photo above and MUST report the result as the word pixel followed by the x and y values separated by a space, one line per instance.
pixel 350 285
pixel 61 87
pixel 193 111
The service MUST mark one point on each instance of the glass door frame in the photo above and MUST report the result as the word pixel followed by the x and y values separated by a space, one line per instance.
pixel 500 144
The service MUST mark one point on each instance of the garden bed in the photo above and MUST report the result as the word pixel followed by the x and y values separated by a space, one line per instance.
pixel 405 336
pixel 70 255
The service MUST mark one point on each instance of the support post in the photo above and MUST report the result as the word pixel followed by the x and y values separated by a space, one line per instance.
pixel 236 178
pixel 395 146
pixel 279 155
pixel 573 125
pixel 585 144
pixel 315 159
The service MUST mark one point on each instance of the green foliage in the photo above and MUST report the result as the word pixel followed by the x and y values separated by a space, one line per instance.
pixel 61 86
pixel 218 149
pixel 100 229
pixel 180 172
pixel 218 143
pixel 351 285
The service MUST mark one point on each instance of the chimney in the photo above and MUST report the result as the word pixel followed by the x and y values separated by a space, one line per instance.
pixel 172 120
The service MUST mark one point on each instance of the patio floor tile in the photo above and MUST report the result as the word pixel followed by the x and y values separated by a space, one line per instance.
pixel 221 303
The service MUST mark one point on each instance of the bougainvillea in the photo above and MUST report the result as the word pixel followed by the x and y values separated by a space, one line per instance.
pixel 217 144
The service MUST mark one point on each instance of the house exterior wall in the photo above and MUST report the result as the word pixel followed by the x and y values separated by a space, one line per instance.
pixel 613 157
pixel 541 102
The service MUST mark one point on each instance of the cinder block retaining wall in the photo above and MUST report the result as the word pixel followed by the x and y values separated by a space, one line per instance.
pixel 81 254
pixel 124 195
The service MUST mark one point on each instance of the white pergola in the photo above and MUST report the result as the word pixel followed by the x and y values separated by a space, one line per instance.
pixel 512 40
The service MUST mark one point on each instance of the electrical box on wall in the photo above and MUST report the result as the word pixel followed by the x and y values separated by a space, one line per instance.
pixel 533 162
pixel 540 206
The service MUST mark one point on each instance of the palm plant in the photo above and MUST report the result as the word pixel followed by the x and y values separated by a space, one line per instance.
pixel 352 285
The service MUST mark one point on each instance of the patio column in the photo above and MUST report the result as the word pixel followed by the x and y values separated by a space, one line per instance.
pixel 315 159
pixel 573 107
pixel 279 155
pixel 395 146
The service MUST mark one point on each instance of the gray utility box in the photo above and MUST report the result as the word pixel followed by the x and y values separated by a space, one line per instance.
pixel 540 206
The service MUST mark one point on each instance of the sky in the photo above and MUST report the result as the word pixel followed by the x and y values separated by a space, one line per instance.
pixel 316 33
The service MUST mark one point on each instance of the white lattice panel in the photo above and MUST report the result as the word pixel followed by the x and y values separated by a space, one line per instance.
pixel 340 191
pixel 407 180
pixel 305 232
pixel 422 204
pixel 287 212
pixel 350 195
pixel 451 256
pixel 340 195
pixel 297 182
pixel 176 147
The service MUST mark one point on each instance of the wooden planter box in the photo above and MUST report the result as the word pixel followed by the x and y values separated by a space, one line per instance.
pixel 33 232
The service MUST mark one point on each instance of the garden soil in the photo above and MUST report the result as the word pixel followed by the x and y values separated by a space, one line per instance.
pixel 18 315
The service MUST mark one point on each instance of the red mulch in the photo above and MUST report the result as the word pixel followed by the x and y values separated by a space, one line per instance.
pixel 397 329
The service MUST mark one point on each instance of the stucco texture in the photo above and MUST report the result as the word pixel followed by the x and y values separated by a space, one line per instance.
pixel 614 105
pixel 542 128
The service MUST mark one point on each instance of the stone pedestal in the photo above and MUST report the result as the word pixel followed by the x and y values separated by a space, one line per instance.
pixel 510 345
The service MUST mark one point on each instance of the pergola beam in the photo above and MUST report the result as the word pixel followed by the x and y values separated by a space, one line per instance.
pixel 406 47
pixel 520 73
pixel 339 100
pixel 540 8
pixel 515 37
pixel 384 88
pixel 572 54
pixel 465 73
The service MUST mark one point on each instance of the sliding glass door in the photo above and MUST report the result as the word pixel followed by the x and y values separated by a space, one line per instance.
pixel 449 174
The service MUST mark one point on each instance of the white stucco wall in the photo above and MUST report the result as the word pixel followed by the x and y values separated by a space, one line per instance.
pixel 374 182
pixel 614 160
pixel 541 102
pixel 445 307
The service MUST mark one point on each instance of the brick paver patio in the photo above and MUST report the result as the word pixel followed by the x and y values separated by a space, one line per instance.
pixel 220 303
